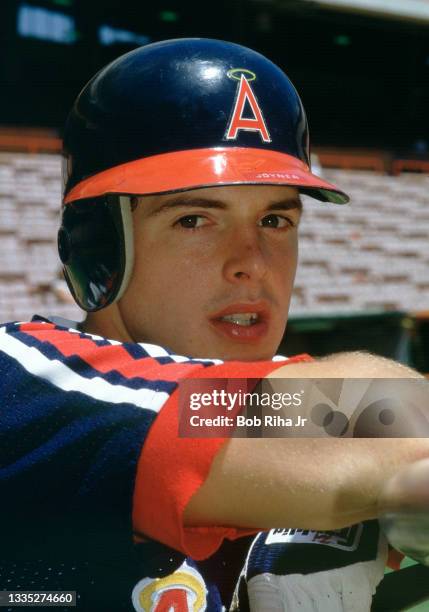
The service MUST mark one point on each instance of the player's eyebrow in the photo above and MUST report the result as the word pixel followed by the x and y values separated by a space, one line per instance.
pixel 186 202
pixel 286 205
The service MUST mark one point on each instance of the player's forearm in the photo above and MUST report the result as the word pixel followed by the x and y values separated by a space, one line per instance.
pixel 346 365
pixel 323 483
pixel 314 484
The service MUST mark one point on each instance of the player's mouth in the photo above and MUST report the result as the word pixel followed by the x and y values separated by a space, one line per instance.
pixel 242 322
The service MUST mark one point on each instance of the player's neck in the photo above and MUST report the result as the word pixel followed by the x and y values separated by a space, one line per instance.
pixel 106 323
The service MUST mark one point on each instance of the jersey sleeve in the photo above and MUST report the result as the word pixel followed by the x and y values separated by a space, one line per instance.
pixel 89 445
pixel 171 469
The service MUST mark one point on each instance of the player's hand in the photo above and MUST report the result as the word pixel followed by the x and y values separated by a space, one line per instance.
pixel 404 511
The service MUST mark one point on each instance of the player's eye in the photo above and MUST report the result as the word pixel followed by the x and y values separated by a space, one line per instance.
pixel 191 221
pixel 276 221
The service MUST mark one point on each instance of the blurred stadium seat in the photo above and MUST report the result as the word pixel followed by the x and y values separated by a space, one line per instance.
pixel 30 276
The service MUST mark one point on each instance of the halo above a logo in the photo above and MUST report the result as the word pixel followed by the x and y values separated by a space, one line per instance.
pixel 237 73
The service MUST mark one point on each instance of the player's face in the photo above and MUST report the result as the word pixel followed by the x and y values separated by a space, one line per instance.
pixel 214 270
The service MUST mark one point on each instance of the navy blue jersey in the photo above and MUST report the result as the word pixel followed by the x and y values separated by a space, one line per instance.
pixel 94 480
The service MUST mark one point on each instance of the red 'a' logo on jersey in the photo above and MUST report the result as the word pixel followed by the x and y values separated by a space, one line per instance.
pixel 249 124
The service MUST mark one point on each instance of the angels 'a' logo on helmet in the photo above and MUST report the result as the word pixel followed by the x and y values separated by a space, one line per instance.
pixel 245 93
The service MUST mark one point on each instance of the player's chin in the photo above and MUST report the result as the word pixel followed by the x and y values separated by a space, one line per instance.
pixel 245 351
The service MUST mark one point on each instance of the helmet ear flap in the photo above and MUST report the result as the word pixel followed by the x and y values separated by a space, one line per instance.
pixel 95 244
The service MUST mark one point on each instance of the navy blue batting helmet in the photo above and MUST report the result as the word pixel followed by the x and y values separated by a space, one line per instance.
pixel 172 116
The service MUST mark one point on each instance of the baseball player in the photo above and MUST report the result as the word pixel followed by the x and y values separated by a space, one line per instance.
pixel 184 162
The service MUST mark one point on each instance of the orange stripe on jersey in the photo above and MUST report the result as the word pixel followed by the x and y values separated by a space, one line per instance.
pixel 105 359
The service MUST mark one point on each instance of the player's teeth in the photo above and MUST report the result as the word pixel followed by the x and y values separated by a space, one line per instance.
pixel 243 318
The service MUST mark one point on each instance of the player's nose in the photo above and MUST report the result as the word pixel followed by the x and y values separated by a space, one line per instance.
pixel 245 256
